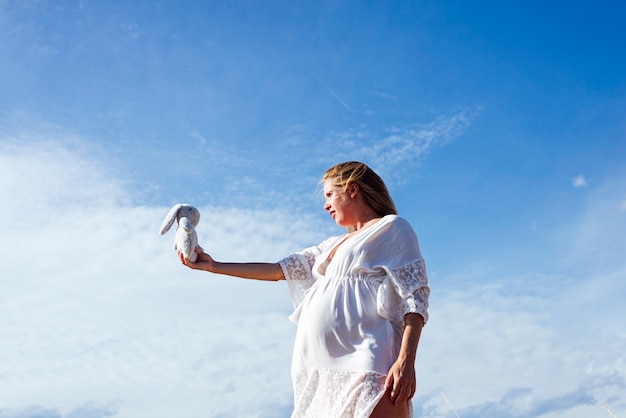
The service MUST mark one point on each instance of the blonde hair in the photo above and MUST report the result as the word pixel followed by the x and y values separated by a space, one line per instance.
pixel 371 185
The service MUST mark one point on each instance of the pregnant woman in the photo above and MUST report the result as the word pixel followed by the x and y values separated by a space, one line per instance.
pixel 360 302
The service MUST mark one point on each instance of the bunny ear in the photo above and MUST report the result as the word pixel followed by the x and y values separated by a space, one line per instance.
pixel 170 218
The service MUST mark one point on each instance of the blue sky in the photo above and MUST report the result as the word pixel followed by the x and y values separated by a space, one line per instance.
pixel 499 127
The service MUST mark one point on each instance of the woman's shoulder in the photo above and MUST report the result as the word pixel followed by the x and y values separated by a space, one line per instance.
pixel 397 222
pixel 399 228
pixel 396 243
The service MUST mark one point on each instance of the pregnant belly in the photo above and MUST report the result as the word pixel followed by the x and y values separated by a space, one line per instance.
pixel 339 327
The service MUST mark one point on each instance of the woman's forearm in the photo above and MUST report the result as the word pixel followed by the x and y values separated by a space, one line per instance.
pixel 255 271
pixel 413 324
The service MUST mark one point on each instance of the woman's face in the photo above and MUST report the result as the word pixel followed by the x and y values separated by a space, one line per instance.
pixel 339 203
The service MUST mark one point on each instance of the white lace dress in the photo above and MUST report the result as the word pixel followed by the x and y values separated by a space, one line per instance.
pixel 349 313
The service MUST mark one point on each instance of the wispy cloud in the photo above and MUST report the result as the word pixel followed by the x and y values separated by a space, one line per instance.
pixel 596 239
pixel 88 410
pixel 336 96
pixel 525 403
pixel 385 95
pixel 63 172
pixel 579 181
pixel 498 352
pixel 391 149
pixel 339 99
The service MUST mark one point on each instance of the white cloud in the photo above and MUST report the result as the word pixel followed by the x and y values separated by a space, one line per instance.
pixel 96 307
pixel 579 181
pixel 99 316
pixel 497 351
pixel 596 238
pixel 42 176
pixel 88 410
pixel 395 150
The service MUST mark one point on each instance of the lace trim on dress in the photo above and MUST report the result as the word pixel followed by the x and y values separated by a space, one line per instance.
pixel 336 393
pixel 297 270
pixel 404 290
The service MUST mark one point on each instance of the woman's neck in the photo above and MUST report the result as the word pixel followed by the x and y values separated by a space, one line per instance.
pixel 366 222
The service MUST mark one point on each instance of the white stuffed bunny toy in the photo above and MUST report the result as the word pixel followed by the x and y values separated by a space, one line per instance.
pixel 186 239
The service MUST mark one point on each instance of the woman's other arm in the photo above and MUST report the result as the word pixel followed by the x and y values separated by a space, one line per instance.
pixel 255 271
pixel 401 377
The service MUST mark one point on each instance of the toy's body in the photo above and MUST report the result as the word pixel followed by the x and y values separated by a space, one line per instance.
pixel 186 239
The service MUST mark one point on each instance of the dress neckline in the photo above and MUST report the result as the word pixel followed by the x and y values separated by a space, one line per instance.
pixel 331 255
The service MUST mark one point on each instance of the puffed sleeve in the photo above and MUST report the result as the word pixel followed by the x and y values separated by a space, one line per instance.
pixel 297 269
pixel 404 290
pixel 405 286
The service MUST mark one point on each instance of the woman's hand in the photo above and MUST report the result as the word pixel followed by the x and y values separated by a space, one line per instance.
pixel 401 380
pixel 203 262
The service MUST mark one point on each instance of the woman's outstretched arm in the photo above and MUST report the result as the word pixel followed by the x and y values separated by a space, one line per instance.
pixel 256 271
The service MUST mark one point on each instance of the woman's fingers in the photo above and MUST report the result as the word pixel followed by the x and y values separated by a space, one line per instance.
pixel 402 393
pixel 183 259
pixel 402 389
pixel 398 392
